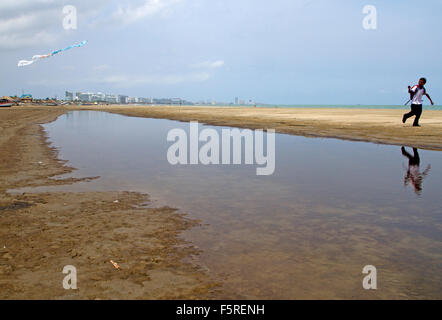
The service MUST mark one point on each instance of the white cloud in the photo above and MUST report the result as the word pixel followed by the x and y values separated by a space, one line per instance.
pixel 18 23
pixel 209 64
pixel 101 67
pixel 27 23
pixel 123 80
pixel 130 14
pixel 26 30
pixel 158 79
pixel 20 7
pixel 15 41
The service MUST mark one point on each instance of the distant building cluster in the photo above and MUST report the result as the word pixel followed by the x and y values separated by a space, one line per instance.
pixel 242 102
pixel 99 97
pixel 87 98
pixel 237 101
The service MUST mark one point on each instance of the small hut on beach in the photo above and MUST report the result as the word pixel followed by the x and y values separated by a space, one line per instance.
pixel 27 98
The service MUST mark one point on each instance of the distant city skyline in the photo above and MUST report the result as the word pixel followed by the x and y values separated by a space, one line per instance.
pixel 124 99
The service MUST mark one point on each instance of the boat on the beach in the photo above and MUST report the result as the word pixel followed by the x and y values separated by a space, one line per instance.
pixel 6 102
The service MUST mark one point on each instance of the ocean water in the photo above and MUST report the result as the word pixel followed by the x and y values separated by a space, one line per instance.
pixel 397 107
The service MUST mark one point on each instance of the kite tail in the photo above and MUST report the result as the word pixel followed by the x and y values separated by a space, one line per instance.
pixel 23 63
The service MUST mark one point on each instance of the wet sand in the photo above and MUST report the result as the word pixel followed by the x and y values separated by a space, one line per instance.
pixel 41 233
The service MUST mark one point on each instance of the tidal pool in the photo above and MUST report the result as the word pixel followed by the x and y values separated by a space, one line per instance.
pixel 307 231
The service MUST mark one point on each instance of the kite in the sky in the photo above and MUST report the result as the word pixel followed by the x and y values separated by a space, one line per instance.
pixel 23 63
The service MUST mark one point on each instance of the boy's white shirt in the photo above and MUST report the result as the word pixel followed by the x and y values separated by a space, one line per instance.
pixel 419 93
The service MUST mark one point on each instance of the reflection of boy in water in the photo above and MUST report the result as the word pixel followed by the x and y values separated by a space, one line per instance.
pixel 413 175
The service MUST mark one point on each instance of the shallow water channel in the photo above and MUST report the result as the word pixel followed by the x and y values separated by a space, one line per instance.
pixel 330 208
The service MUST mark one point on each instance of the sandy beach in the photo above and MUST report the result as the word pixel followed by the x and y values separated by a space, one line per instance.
pixel 378 126
pixel 42 232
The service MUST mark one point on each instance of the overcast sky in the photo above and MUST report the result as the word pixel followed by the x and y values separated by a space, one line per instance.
pixel 280 51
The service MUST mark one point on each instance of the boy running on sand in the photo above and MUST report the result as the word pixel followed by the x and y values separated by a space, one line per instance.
pixel 416 93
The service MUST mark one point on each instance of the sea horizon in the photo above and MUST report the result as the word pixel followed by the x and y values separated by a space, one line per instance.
pixel 343 106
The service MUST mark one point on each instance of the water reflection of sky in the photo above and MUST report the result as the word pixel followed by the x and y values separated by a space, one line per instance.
pixel 330 205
